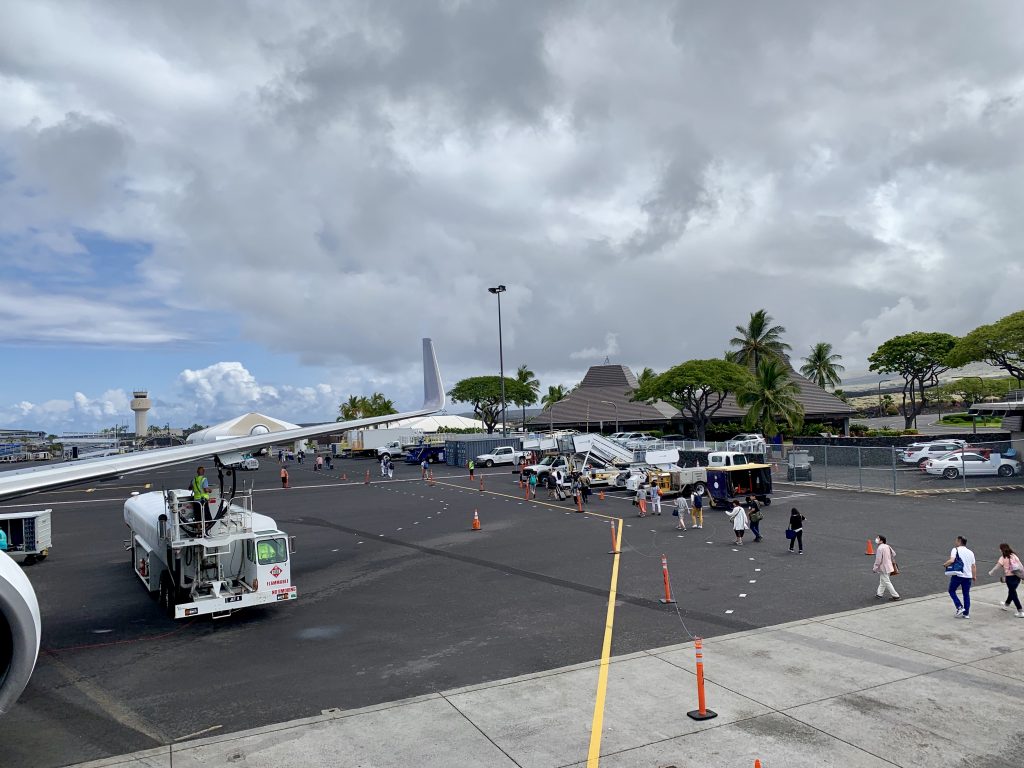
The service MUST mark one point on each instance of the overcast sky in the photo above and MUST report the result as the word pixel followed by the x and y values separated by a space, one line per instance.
pixel 265 205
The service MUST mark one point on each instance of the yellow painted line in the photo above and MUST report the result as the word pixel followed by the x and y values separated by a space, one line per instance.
pixel 594 755
pixel 524 499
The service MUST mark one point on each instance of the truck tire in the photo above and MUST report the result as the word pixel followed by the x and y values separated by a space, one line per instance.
pixel 168 595
pixel 700 489
pixel 489 463
pixel 1005 470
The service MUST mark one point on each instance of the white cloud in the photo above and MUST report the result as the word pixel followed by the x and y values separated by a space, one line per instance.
pixel 611 347
pixel 337 178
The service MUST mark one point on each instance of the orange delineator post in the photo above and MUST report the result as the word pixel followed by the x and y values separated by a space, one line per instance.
pixel 481 482
pixel 579 503
pixel 664 574
pixel 476 521
pixel 869 550
pixel 757 764
pixel 366 480
pixel 344 476
pixel 613 550
pixel 702 712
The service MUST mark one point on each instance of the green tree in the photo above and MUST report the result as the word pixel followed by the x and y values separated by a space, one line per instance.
pixel 697 388
pixel 555 393
pixel 1000 344
pixel 918 358
pixel 525 376
pixel 759 340
pixel 359 407
pixel 970 389
pixel 822 367
pixel 772 399
pixel 646 375
pixel 484 392
pixel 196 427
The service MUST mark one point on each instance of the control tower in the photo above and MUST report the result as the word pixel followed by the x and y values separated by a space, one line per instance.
pixel 141 405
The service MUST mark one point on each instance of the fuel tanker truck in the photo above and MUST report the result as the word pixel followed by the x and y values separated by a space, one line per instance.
pixel 201 561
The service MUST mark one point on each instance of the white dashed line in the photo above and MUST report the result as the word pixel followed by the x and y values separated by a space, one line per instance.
pixel 752 581
pixel 743 594
pixel 729 611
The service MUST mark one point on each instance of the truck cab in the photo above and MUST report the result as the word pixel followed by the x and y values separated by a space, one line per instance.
pixel 503 454
pixel 726 459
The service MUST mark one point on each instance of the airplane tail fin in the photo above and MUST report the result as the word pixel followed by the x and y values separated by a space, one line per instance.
pixel 433 388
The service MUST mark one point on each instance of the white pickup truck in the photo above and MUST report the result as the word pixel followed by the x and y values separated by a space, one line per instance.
pixel 504 454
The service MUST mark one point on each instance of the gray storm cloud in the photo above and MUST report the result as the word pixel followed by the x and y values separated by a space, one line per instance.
pixel 345 176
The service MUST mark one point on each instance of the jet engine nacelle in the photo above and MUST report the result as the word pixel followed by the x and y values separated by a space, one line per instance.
pixel 19 631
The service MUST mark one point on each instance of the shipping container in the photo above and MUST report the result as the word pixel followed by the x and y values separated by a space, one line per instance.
pixel 459 449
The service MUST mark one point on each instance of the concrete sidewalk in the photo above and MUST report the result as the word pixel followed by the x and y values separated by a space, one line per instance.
pixel 893 684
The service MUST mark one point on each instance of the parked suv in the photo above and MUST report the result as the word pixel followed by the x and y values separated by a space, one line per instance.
pixel 921 453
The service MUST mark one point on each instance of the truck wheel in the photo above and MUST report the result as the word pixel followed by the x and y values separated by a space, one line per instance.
pixel 168 598
pixel 950 473
pixel 700 489
pixel 1005 470
pixel 489 463
pixel 766 501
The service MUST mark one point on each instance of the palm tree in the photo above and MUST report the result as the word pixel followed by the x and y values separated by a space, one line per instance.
pixel 771 399
pixel 822 367
pixel 759 341
pixel 351 408
pixel 645 376
pixel 553 396
pixel 525 376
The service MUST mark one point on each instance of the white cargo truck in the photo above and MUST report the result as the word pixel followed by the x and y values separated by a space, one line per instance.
pixel 394 442
pixel 207 562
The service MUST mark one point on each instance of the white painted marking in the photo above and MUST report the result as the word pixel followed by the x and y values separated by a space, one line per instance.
pixel 757 570
pixel 729 611
pixel 743 594
pixel 334 550
pixel 199 733
pixel 753 581
pixel 359 542
pixel 101 631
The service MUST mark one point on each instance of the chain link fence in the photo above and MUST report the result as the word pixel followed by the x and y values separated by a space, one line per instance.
pixel 941 466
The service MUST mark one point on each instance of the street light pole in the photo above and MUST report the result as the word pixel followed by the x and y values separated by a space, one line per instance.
pixel 616 407
pixel 501 358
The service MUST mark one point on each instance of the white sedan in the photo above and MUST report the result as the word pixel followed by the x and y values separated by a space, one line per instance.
pixel 954 465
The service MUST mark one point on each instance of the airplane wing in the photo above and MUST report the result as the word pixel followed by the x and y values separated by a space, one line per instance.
pixel 21 482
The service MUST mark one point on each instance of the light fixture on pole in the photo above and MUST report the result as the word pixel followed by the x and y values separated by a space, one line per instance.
pixel 616 407
pixel 501 358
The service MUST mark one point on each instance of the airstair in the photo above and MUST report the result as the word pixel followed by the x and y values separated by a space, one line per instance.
pixel 603 448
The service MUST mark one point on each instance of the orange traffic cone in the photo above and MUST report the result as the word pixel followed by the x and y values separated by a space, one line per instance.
pixel 757 764
pixel 481 482
pixel 367 480
pixel 430 478
pixel 869 550
pixel 476 521
pixel 344 477
pixel 600 495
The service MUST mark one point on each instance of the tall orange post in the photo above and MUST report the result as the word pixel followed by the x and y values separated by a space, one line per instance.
pixel 664 575
pixel 366 480
pixel 702 712
pixel 481 482
pixel 614 550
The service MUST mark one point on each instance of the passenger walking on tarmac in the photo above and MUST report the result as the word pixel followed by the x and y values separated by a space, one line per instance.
pixel 756 516
pixel 698 509
pixel 302 455
pixel 885 566
pixel 795 532
pixel 962 570
pixel 560 485
pixel 284 476
pixel 549 481
pixel 423 469
pixel 680 511
pixel 391 469
pixel 319 463
pixel 533 485
pixel 330 463
pixel 201 494
pixel 585 488
pixel 641 498
pixel 739 521
pixel 472 466
pixel 654 497
pixel 1012 571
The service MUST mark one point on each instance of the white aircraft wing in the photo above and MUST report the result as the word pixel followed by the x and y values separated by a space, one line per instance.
pixel 21 482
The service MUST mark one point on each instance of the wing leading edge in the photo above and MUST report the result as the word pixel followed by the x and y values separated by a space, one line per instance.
pixel 22 482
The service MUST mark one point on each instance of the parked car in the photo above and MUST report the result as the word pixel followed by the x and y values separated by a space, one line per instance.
pixel 959 463
pixel 248 463
pixel 504 454
pixel 921 453
pixel 638 443
pixel 748 442
pixel 625 437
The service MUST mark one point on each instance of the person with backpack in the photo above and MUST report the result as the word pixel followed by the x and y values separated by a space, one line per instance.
pixel 756 516
pixel 697 507
pixel 682 507
pixel 962 570
pixel 885 566
pixel 533 485
pixel 1012 571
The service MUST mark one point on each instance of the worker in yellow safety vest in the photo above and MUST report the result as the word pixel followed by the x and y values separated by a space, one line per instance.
pixel 201 494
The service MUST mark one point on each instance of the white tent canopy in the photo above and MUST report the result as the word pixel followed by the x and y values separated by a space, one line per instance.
pixel 432 424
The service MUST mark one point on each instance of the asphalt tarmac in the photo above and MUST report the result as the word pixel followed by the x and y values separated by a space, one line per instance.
pixel 398 597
